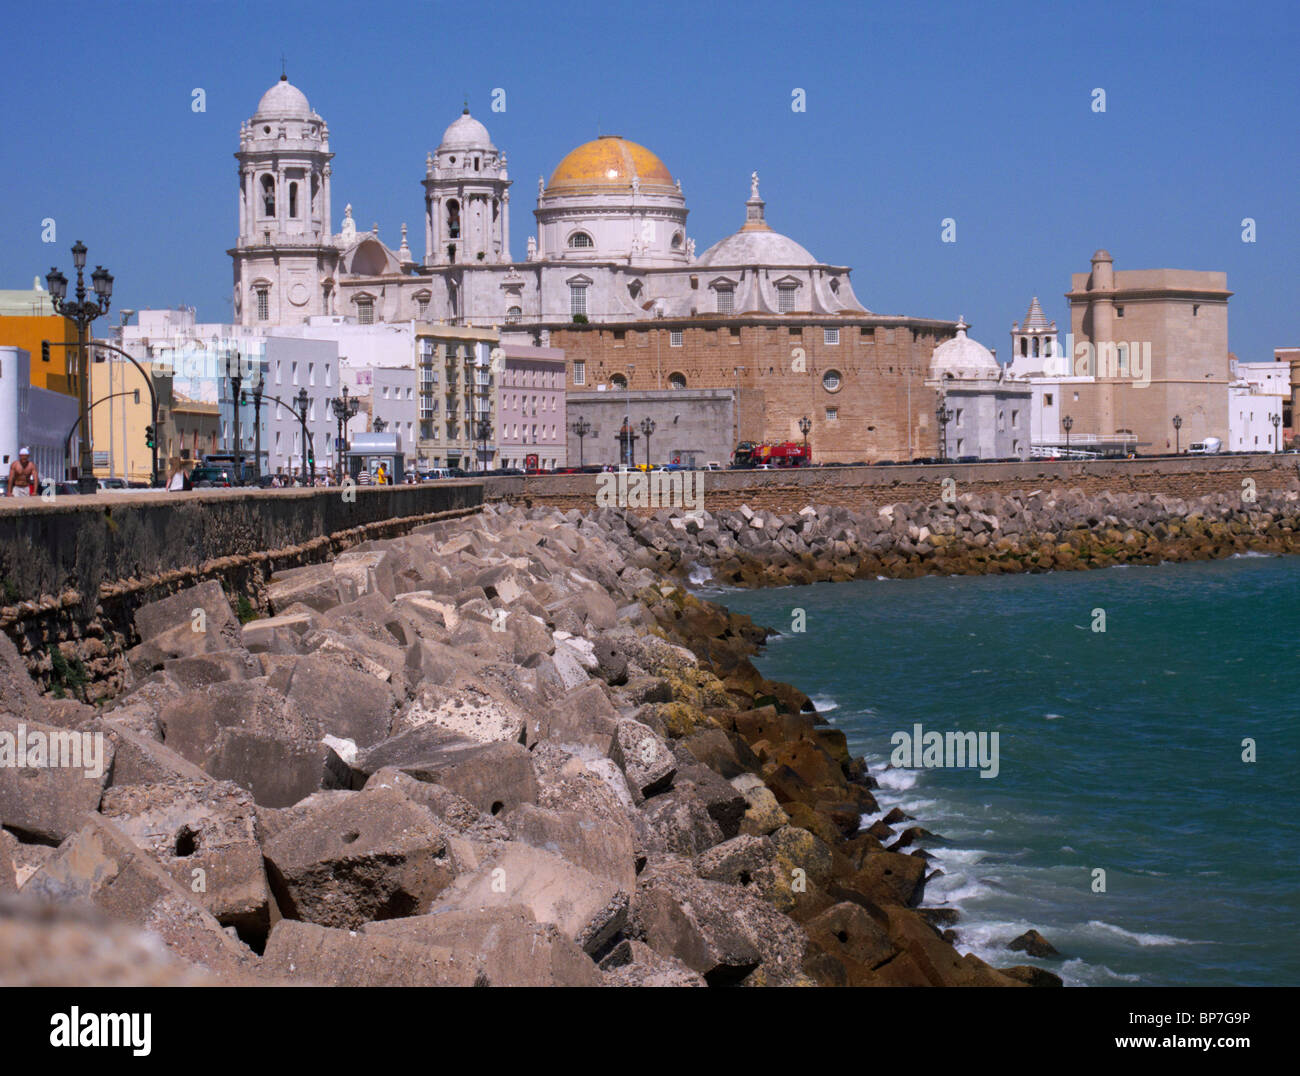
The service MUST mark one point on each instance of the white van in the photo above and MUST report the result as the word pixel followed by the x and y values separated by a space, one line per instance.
pixel 1208 447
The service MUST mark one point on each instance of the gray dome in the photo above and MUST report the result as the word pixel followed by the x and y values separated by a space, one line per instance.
pixel 962 357
pixel 757 247
pixel 284 101
pixel 466 132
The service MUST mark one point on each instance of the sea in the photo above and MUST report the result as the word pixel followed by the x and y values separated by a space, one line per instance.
pixel 1144 813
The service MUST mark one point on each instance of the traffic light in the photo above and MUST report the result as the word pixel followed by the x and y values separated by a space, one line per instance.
pixel 45 351
pixel 311 457
pixel 149 437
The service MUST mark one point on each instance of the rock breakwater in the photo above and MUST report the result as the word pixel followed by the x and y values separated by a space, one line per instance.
pixel 504 750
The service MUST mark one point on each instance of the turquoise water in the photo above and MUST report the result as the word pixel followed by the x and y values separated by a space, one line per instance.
pixel 1118 750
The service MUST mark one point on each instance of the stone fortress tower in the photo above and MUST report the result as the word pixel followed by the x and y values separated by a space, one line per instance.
pixel 285 258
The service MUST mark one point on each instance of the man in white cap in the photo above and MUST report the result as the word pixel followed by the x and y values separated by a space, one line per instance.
pixel 23 478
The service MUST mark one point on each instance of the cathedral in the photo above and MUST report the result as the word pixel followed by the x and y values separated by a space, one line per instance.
pixel 610 241
pixel 609 268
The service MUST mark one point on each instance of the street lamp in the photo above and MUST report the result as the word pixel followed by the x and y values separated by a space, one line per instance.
pixel 345 410
pixel 301 400
pixel 236 383
pixel 1178 425
pixel 943 413
pixel 484 432
pixel 805 424
pixel 1068 423
pixel 257 426
pixel 736 372
pixel 627 399
pixel 647 428
pixel 582 427
pixel 82 311
pixel 1276 419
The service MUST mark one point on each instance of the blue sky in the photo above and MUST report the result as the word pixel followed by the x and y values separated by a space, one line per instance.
pixel 914 113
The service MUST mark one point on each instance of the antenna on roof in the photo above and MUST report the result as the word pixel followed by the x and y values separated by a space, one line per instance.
pixel 283 76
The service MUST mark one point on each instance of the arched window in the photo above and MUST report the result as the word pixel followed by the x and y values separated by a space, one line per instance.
pixel 453 220
pixel 1035 347
pixel 514 314
pixel 1024 347
pixel 618 381
pixel 268 196
pixel 580 241
pixel 831 381
pixel 293 199
pixel 676 381
pixel 677 241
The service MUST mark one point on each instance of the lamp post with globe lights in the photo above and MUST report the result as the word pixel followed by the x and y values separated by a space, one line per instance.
pixel 1178 427
pixel 81 311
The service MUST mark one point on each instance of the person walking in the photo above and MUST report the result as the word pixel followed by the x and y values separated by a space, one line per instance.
pixel 23 478
pixel 178 478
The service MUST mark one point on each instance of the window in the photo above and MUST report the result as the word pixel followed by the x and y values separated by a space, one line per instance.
pixel 311 373
pixel 423 302
pixel 1015 417
pixel 676 381
pixel 620 337
pixel 726 300
pixel 1119 311
pixel 263 304
pixel 675 338
pixel 580 241
pixel 1035 347
pixel 579 372
pixel 293 199
pixel 960 411
pixel 830 337
pixel 268 196
pixel 832 414
pixel 1076 397
pixel 1024 347
pixel 514 314
pixel 735 334
pixel 785 298
pixel 578 299
pixel 677 241
pixel 1047 399
pixel 618 381
pixel 1196 309
pixel 366 311
pixel 831 381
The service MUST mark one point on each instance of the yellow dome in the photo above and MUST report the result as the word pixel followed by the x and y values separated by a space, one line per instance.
pixel 609 163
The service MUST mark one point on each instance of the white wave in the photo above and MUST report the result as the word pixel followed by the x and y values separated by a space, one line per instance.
pixel 825 704
pixel 1251 555
pixel 1052 717
pixel 701 574
pixel 1097 926
pixel 1078 972
pixel 896 779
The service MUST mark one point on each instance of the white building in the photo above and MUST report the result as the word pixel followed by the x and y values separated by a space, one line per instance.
pixel 34 418
pixel 990 407
pixel 1256 394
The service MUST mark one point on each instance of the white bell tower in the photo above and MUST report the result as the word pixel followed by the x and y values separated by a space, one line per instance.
pixel 286 257
pixel 466 198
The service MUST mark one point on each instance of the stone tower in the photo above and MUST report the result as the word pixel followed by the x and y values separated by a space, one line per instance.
pixel 1035 338
pixel 466 198
pixel 285 259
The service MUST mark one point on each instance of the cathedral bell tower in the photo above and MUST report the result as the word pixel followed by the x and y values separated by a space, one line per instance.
pixel 466 198
pixel 285 259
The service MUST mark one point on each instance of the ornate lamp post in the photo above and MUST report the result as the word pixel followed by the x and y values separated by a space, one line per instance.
pixel 82 311
pixel 301 400
pixel 582 427
pixel 647 428
pixel 1068 423
pixel 805 424
pixel 484 433
pixel 1178 425
pixel 345 410
pixel 1276 419
pixel 944 415
pixel 257 426
pixel 379 425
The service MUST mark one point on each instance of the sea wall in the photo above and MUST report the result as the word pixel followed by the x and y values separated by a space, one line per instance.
pixel 74 569
pixel 859 488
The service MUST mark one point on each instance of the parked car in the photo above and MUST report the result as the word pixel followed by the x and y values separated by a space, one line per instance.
pixel 968 459
pixel 886 463
pixel 114 484
pixel 927 459
pixel 713 465
pixel 205 477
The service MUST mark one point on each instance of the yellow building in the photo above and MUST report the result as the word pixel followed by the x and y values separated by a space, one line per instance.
pixel 120 412
pixel 26 320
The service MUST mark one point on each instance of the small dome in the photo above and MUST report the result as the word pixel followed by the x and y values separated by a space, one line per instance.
pixel 284 101
pixel 611 163
pixel 753 247
pixel 1102 256
pixel 963 357
pixel 466 132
